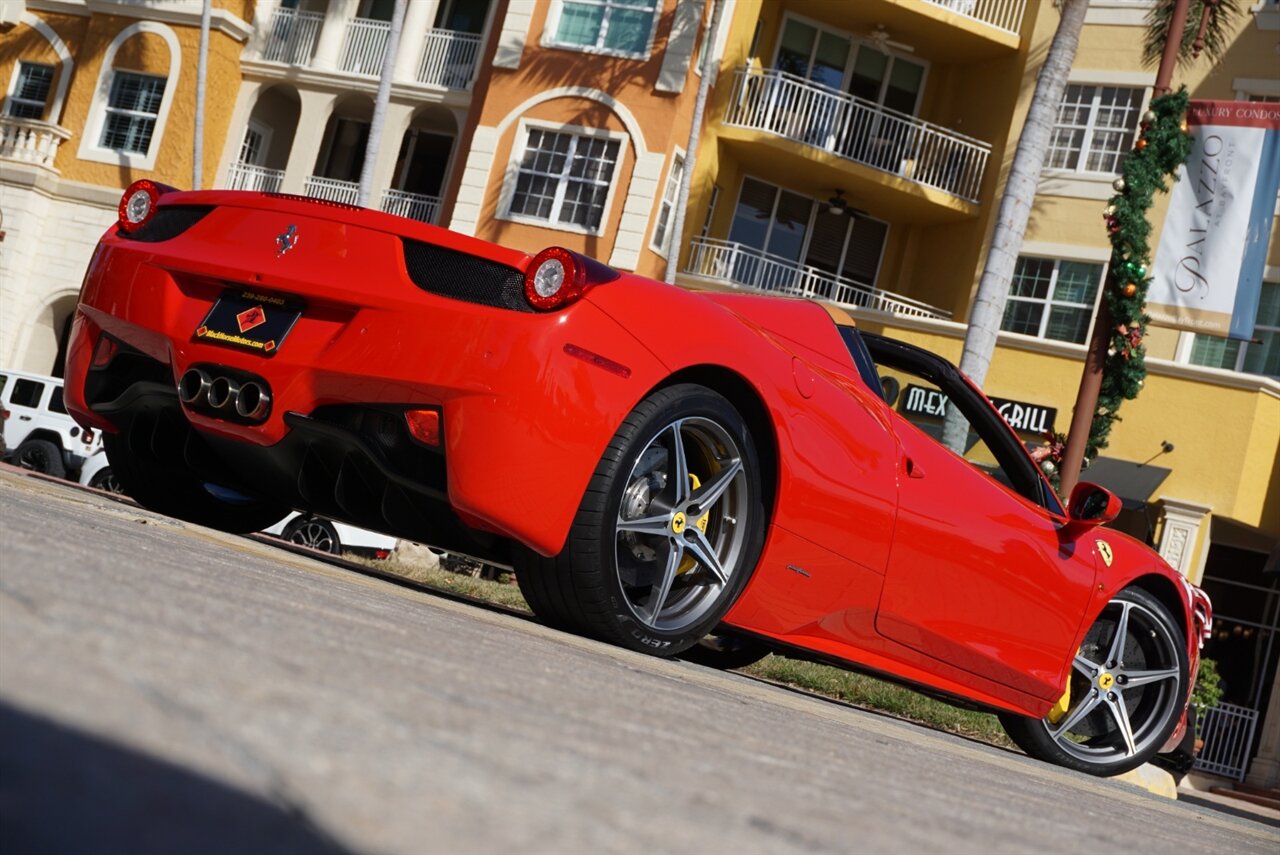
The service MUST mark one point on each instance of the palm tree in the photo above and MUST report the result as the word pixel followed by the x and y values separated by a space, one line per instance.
pixel 380 105
pixel 202 71
pixel 695 133
pixel 1214 40
pixel 1015 209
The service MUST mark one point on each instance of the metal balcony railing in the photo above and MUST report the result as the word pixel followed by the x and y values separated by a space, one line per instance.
pixel 449 59
pixel 1004 15
pixel 415 206
pixel 858 130
pixel 331 189
pixel 31 141
pixel 365 46
pixel 747 267
pixel 246 176
pixel 291 36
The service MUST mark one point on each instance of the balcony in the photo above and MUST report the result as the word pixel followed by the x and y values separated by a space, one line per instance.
pixel 331 189
pixel 449 59
pixel 415 206
pixel 291 36
pixel 246 176
pixel 856 130
pixel 744 267
pixel 31 141
pixel 364 46
pixel 1004 15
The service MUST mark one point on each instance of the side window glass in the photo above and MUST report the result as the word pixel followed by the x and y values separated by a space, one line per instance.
pixel 55 401
pixel 27 393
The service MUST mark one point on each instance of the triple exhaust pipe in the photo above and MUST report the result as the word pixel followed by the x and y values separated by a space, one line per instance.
pixel 225 396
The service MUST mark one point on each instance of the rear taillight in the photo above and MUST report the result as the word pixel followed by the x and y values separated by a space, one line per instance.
pixel 88 436
pixel 557 277
pixel 138 204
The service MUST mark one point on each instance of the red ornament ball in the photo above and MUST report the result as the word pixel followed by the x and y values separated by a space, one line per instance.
pixel 1130 289
pixel 1140 144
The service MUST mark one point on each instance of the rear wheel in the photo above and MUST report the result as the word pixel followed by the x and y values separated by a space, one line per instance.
pixel 1127 688
pixel 668 532
pixel 106 480
pixel 40 455
pixel 182 495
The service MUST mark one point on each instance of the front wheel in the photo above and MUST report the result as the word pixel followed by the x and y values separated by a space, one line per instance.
pixel 668 532
pixel 1126 692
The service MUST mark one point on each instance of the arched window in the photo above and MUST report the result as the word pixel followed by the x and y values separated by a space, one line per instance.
pixel 130 106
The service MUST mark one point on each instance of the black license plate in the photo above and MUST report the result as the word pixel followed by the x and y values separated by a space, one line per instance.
pixel 251 320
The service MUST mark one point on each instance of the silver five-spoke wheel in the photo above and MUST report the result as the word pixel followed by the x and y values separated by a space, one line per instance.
pixel 1125 694
pixel 681 525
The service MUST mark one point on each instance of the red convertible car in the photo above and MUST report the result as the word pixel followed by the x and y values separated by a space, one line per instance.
pixel 658 464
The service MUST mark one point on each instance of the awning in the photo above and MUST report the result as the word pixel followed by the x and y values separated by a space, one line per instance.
pixel 1134 483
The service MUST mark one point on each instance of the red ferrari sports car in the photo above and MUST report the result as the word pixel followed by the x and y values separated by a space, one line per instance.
pixel 657 464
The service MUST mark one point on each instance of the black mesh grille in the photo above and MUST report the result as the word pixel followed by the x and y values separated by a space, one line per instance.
pixel 464 277
pixel 294 197
pixel 169 222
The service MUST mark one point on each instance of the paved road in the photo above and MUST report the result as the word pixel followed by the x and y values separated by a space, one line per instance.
pixel 168 688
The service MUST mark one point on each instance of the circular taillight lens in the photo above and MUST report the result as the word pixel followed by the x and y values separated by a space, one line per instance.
pixel 553 278
pixel 138 205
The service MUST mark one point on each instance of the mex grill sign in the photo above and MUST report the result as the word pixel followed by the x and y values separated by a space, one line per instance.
pixel 1021 416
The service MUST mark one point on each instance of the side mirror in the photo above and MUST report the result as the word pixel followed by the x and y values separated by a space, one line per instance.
pixel 1088 507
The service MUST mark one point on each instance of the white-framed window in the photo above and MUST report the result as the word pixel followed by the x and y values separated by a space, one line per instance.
pixel 29 92
pixel 670 195
pixel 1052 298
pixel 1095 128
pixel 130 108
pixel 256 143
pixel 1260 356
pixel 619 27
pixel 131 111
pixel 564 178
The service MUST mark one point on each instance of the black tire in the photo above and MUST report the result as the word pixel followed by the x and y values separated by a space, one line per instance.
pixel 314 533
pixel 654 586
pixel 106 480
pixel 40 455
pixel 1105 690
pixel 726 651
pixel 179 494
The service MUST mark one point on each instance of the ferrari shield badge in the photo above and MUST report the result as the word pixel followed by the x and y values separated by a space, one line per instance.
pixel 1104 549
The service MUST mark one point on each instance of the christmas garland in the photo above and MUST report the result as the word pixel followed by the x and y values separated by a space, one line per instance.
pixel 1162 146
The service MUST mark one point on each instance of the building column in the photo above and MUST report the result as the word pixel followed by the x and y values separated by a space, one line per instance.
pixel 245 99
pixel 263 10
pixel 1181 539
pixel 332 29
pixel 514 33
pixel 475 180
pixel 1264 771
pixel 313 115
pixel 644 188
pixel 417 21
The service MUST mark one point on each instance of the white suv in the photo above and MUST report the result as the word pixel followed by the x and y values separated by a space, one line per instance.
pixel 38 432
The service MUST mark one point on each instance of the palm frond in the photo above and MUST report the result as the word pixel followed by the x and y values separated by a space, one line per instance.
pixel 1215 38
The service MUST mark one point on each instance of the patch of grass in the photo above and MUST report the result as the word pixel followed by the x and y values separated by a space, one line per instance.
pixel 864 691
pixel 832 682
pixel 501 593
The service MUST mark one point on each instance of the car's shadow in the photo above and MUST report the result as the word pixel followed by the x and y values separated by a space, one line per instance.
pixel 64 790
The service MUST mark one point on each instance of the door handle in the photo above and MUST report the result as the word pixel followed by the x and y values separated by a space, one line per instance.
pixel 914 470
pixel 24 418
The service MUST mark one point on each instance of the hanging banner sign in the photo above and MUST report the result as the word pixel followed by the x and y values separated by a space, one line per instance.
pixel 1207 275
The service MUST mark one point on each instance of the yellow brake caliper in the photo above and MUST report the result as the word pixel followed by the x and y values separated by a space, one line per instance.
pixel 688 563
pixel 1059 709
